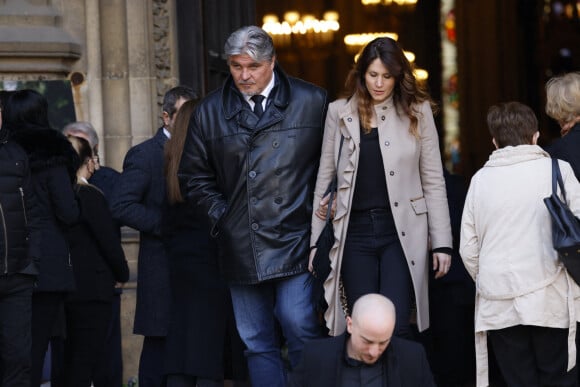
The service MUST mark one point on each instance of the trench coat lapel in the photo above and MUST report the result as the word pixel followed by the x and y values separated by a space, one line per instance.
pixel 271 116
pixel 349 116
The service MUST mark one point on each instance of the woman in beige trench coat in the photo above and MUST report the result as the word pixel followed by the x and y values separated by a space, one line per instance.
pixel 391 204
pixel 526 305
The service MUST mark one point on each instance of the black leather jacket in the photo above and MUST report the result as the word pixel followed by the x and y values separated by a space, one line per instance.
pixel 15 202
pixel 255 178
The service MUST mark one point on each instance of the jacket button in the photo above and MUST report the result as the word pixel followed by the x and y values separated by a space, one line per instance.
pixel 252 174
pixel 278 200
pixel 387 143
pixel 349 119
pixel 384 108
pixel 253 200
pixel 255 226
pixel 413 263
pixel 396 204
pixel 403 233
pixel 278 172
pixel 392 173
pixel 275 144
pixel 382 118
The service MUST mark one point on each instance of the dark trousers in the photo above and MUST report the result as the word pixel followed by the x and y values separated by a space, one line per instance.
pixel 151 361
pixel 531 356
pixel 181 380
pixel 87 323
pixel 451 351
pixel 15 329
pixel 109 368
pixel 374 262
pixel 47 308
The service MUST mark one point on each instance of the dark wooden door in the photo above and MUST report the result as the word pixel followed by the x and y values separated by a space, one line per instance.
pixel 202 29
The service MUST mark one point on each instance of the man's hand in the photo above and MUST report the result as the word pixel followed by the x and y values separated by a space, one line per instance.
pixel 310 259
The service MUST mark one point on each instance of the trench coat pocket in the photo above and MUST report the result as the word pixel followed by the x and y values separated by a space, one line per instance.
pixel 419 205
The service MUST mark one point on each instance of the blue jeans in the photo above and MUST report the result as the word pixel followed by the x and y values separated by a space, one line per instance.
pixel 259 309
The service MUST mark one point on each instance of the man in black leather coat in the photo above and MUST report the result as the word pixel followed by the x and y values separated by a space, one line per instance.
pixel 250 162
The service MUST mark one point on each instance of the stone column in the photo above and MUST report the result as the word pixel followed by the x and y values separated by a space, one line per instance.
pixel 115 80
pixel 145 118
pixel 93 85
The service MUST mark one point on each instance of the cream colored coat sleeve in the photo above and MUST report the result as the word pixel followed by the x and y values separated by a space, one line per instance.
pixel 327 168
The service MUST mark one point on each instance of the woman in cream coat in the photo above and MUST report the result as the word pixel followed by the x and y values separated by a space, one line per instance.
pixel 525 302
pixel 396 165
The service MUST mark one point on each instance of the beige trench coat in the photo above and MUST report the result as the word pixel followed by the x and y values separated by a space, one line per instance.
pixel 416 189
pixel 506 246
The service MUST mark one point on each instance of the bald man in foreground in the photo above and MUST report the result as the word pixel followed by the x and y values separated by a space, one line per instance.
pixel 366 355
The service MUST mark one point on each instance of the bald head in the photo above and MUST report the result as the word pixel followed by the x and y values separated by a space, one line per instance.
pixel 371 327
pixel 373 308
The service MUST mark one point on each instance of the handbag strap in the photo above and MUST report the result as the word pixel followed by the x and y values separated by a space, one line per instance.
pixel 557 180
pixel 334 182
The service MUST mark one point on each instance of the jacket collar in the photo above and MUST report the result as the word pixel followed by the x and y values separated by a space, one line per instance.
pixel 234 104
pixel 160 137
pixel 3 135
pixel 515 154
pixel 348 113
pixel 388 360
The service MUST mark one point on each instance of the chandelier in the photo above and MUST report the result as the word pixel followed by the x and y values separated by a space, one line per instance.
pixel 410 3
pixel 355 42
pixel 303 30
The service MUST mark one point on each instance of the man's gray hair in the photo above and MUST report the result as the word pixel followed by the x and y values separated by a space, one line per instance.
pixel 82 127
pixel 252 41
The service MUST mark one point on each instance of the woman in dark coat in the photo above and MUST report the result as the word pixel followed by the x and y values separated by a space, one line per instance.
pixel 201 320
pixel 98 263
pixel 53 165
pixel 563 105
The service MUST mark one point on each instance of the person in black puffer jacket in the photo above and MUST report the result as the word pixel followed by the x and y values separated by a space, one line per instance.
pixel 17 270
pixel 53 165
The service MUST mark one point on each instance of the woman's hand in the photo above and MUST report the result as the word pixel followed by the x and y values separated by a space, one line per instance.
pixel 441 264
pixel 323 207
pixel 311 258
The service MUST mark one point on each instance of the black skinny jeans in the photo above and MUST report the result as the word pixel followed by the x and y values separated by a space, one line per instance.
pixel 374 262
pixel 15 329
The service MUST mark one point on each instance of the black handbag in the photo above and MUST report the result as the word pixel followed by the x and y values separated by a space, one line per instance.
pixel 325 241
pixel 565 226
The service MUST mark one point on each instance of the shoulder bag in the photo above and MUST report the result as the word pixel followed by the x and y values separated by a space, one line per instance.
pixel 565 226
pixel 321 260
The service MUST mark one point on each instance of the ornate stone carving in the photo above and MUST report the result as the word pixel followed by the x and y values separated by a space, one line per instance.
pixel 161 46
